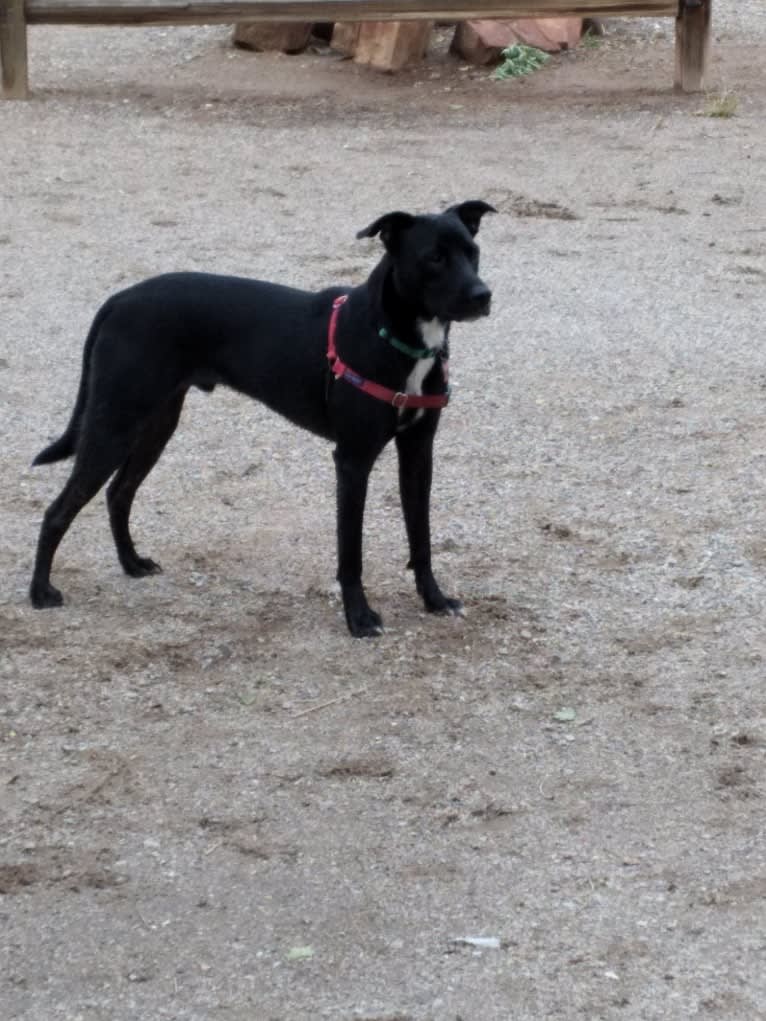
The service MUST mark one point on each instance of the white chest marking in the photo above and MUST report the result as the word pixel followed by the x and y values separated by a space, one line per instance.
pixel 414 384
pixel 433 335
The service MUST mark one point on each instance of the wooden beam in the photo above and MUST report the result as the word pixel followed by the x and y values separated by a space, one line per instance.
pixel 692 44
pixel 13 49
pixel 211 12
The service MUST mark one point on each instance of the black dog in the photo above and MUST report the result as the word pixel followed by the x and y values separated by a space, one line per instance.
pixel 357 366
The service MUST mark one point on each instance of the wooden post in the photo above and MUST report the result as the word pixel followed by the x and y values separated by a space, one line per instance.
pixel 13 49
pixel 345 36
pixel 392 45
pixel 692 44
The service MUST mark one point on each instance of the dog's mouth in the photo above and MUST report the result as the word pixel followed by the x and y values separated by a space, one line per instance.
pixel 472 312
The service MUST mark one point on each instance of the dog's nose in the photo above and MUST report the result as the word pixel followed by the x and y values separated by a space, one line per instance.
pixel 480 297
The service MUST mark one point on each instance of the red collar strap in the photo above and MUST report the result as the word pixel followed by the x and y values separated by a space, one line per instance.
pixel 382 393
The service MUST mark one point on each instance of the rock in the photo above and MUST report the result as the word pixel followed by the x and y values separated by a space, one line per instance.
pixel 287 36
pixel 482 42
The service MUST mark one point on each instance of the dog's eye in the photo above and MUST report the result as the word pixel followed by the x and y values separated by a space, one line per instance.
pixel 437 258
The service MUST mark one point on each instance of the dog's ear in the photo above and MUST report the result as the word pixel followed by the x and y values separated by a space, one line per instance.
pixel 470 213
pixel 389 227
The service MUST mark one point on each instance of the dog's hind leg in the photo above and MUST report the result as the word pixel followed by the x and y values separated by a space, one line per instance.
pixel 415 449
pixel 95 462
pixel 122 489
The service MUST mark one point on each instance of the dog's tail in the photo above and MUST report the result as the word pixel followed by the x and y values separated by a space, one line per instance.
pixel 66 445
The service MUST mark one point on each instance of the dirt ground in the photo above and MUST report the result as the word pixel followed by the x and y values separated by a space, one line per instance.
pixel 215 804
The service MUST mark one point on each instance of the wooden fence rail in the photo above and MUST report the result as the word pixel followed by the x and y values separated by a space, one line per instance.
pixel 692 20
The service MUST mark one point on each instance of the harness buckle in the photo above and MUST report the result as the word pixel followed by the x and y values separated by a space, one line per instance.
pixel 399 400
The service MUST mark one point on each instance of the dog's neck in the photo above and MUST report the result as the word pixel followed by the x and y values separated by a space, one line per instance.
pixel 404 321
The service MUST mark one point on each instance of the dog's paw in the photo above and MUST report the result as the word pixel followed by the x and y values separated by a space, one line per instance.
pixel 365 623
pixel 452 608
pixel 433 598
pixel 362 620
pixel 43 595
pixel 446 606
pixel 141 567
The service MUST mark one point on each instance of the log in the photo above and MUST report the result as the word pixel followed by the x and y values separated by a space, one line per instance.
pixel 392 45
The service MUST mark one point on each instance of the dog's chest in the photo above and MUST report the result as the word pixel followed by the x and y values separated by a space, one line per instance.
pixel 414 384
pixel 433 335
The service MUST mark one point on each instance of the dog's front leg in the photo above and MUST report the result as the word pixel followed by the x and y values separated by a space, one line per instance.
pixel 352 473
pixel 415 449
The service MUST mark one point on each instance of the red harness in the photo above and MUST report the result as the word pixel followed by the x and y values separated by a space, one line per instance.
pixel 382 393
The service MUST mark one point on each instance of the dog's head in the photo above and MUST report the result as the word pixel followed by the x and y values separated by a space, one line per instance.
pixel 435 260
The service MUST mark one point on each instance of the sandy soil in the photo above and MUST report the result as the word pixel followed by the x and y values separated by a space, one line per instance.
pixel 217 805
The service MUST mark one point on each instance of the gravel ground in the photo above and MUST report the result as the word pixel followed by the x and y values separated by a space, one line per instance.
pixel 217 805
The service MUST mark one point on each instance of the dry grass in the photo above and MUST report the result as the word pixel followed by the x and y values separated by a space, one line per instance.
pixel 721 104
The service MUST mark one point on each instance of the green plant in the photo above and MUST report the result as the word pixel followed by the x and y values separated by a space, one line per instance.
pixel 519 60
pixel 591 40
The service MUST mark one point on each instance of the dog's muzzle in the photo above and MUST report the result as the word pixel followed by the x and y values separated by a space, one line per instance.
pixel 474 305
